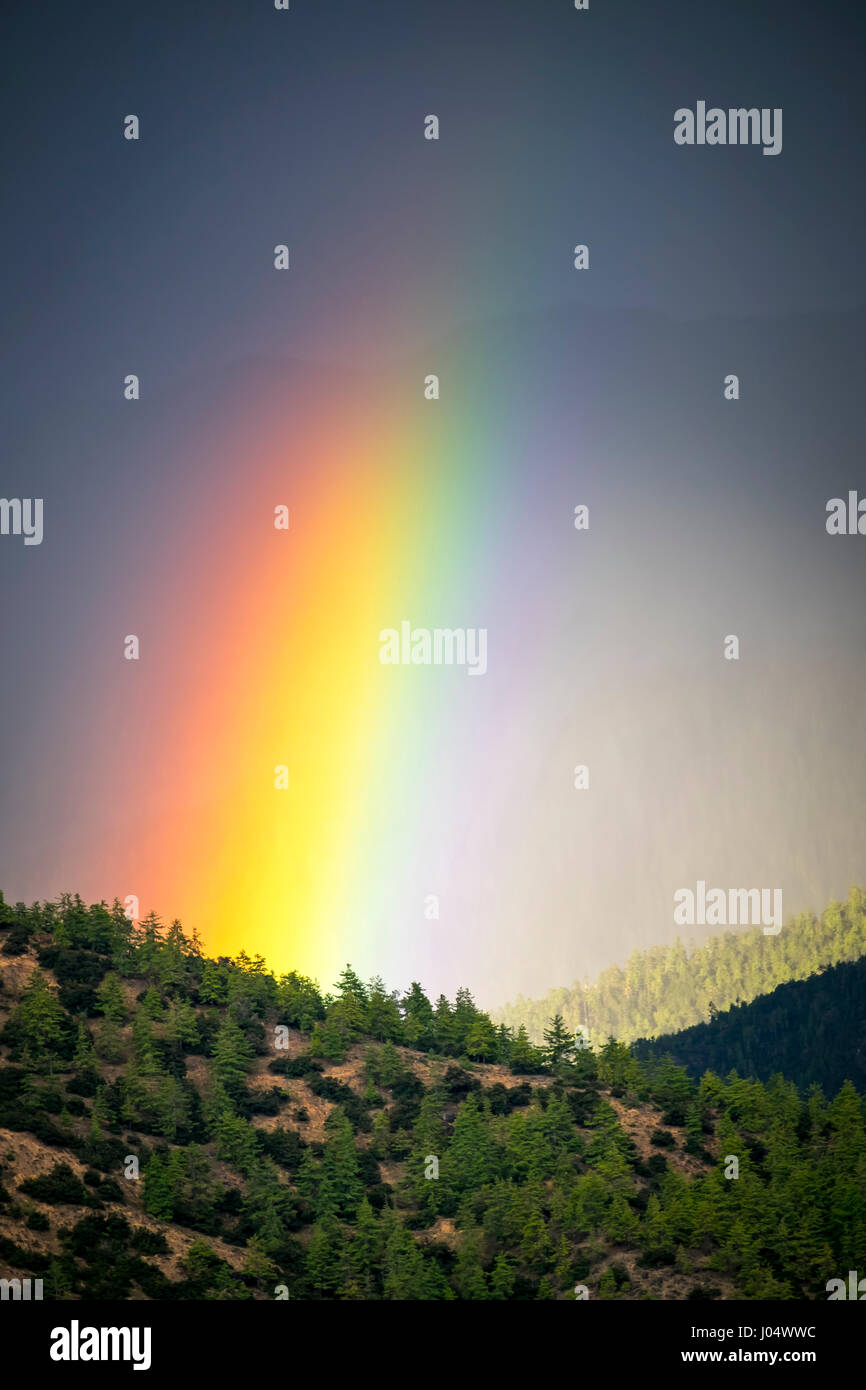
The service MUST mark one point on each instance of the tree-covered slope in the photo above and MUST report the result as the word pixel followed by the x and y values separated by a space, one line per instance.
pixel 174 1127
pixel 812 1031
pixel 667 988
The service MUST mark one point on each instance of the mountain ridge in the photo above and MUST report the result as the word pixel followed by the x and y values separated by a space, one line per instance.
pixel 174 1127
pixel 665 989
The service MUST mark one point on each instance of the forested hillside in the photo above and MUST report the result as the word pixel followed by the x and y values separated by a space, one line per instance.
pixel 667 988
pixel 812 1031
pixel 174 1127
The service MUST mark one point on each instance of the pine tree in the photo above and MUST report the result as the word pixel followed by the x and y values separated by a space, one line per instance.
pixel 151 1005
pixel 340 1182
pixel 258 1265
pixel 383 1012
pixel 468 1162
pixel 309 1177
pixel 84 1059
pixel 559 1043
pixel 40 1020
pixel 428 1140
pixel 171 1107
pixel 621 1223
pixel 403 1265
pixel 469 1279
pixel 236 1142
pixel 391 1069
pixel 323 1257
pixel 181 1028
pixel 365 1255
pixel 147 1060
pixel 350 986
pixel 110 999
pixel 157 1195
pixel 418 1019
pixel 444 1028
pixel 380 1138
pixel 214 983
pixel 535 1247
pixel 333 1038
pixel 481 1039
pixel 502 1279
pixel 232 1057
pixel 525 1059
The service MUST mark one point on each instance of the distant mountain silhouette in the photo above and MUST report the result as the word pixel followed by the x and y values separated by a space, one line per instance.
pixel 813 1031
